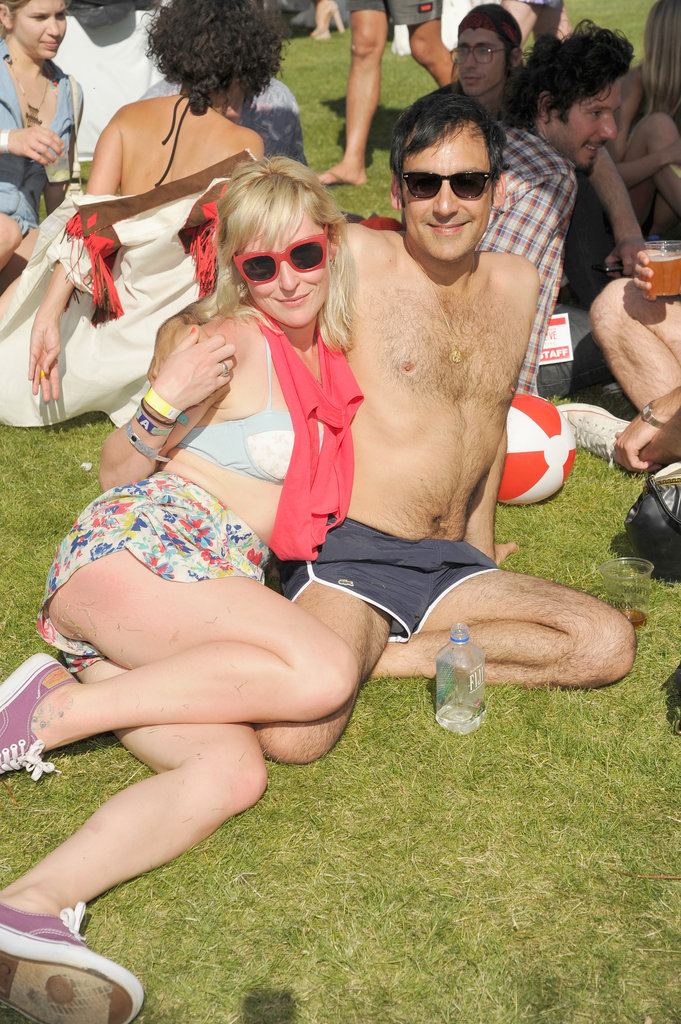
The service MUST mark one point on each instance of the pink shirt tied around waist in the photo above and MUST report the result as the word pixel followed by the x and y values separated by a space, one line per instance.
pixel 318 482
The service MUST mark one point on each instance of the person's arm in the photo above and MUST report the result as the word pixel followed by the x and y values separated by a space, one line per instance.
pixel 188 380
pixel 533 222
pixel 45 344
pixel 643 447
pixel 615 200
pixel 631 92
pixel 634 171
pixel 480 525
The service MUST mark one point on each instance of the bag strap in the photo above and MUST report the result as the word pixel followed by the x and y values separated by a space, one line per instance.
pixel 77 114
pixel 653 487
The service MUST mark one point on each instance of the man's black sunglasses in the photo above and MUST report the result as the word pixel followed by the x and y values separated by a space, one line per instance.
pixel 464 184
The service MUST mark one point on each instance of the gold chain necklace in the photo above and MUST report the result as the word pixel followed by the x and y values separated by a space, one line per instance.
pixel 31 118
pixel 454 350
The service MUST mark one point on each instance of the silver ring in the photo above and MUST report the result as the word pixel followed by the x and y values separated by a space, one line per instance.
pixel 225 370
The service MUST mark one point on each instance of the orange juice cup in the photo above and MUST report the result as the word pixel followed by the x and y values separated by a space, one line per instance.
pixel 665 263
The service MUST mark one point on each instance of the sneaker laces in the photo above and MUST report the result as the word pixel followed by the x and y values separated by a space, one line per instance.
pixel 597 435
pixel 72 917
pixel 16 756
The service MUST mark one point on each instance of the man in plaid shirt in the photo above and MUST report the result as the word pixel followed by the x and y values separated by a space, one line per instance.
pixel 558 114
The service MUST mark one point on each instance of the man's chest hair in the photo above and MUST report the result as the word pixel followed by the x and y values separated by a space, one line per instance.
pixel 451 353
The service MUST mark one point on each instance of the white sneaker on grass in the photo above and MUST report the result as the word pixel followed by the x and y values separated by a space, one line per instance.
pixel 595 429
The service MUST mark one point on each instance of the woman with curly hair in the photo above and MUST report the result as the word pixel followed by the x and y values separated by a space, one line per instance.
pixel 147 257
pixel 647 149
pixel 249 44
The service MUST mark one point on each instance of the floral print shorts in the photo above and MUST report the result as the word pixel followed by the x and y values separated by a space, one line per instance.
pixel 175 528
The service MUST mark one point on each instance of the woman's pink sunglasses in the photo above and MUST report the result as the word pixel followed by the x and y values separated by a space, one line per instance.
pixel 305 255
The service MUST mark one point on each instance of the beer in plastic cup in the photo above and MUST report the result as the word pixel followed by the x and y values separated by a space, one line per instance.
pixel 665 263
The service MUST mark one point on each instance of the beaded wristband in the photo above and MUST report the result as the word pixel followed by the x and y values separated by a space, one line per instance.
pixel 144 449
pixel 148 425
pixel 163 408
pixel 4 141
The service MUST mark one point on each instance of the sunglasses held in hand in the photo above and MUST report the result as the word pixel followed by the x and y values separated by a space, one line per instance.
pixel 464 184
pixel 305 255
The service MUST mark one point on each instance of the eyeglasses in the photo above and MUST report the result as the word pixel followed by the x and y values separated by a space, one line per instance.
pixel 464 184
pixel 305 255
pixel 481 54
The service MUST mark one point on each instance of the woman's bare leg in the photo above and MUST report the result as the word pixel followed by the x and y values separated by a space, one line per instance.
pixel 656 133
pixel 207 773
pixel 226 650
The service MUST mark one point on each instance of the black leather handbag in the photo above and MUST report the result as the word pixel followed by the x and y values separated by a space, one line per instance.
pixel 653 523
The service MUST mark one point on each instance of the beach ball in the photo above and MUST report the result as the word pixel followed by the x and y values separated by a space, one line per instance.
pixel 540 451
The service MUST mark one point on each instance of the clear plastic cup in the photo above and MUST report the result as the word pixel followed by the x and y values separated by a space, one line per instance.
pixel 59 171
pixel 665 263
pixel 627 586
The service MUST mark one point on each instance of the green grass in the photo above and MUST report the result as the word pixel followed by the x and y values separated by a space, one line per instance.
pixel 411 876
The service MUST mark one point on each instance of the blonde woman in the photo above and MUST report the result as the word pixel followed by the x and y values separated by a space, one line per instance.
pixel 156 594
pixel 647 149
pixel 36 123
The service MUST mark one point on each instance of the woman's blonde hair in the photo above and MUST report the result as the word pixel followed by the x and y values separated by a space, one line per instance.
pixel 267 200
pixel 661 67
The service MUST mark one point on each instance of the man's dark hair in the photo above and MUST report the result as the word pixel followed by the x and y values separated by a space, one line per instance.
pixel 569 70
pixel 209 44
pixel 436 117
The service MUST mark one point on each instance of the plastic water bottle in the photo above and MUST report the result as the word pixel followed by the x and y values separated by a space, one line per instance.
pixel 460 683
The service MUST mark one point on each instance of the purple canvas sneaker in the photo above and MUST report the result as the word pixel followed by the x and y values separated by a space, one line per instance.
pixel 48 973
pixel 19 695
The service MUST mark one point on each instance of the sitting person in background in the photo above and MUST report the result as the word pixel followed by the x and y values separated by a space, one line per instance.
pixel 256 98
pixel 641 339
pixel 487 52
pixel 132 262
pixel 559 113
pixel 36 124
pixel 178 544
pixel 544 216
pixel 647 149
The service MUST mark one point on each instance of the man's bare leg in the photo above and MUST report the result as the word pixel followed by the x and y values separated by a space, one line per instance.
pixel 365 630
pixel 369 34
pixel 429 51
pixel 640 339
pixel 533 632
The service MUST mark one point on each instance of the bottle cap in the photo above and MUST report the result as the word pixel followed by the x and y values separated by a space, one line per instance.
pixel 459 633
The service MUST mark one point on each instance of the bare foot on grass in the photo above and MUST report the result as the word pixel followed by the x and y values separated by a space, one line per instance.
pixel 343 174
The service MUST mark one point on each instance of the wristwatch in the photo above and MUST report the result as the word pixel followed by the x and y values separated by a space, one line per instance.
pixel 647 415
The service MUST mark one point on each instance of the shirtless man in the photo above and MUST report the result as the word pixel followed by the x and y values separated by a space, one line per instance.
pixel 440 336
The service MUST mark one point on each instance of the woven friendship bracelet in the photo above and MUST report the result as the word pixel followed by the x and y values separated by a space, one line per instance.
pixel 163 408
pixel 144 449
pixel 148 425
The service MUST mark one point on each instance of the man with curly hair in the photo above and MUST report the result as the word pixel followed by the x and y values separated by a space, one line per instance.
pixel 558 113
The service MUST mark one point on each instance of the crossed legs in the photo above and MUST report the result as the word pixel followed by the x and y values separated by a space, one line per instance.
pixel 657 134
pixel 189 664
pixel 534 633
